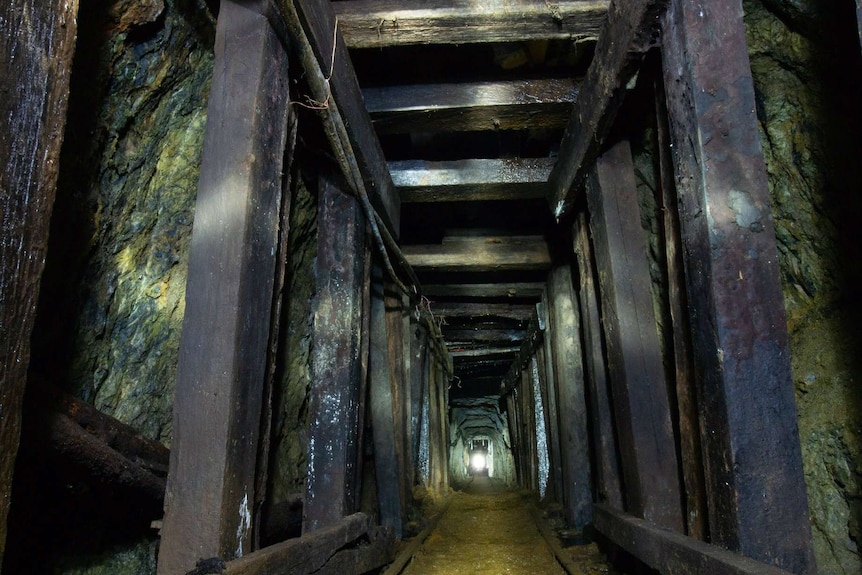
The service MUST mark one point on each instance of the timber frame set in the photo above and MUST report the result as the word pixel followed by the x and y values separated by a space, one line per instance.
pixel 736 479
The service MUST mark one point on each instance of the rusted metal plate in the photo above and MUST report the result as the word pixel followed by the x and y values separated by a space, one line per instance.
pixel 755 485
pixel 640 394
pixel 222 363
pixel 36 50
pixel 380 23
pixel 336 370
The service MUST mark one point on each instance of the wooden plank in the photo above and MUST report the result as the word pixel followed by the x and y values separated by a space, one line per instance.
pixel 755 483
pixel 363 558
pixel 318 21
pixel 395 315
pixel 626 34
pixel 500 290
pixel 670 552
pixel 495 254
pixel 472 107
pixel 381 23
pixel 564 332
pixel 419 358
pixel 387 461
pixel 482 337
pixel 602 419
pixel 647 447
pixel 534 339
pixel 222 361
pixel 545 355
pixel 336 370
pixel 36 50
pixel 301 555
pixel 552 427
pixel 483 351
pixel 471 180
pixel 690 431
pixel 519 312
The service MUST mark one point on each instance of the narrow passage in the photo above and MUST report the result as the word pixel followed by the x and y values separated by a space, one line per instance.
pixel 487 529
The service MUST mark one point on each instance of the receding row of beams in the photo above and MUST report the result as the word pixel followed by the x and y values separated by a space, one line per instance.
pixel 381 23
pixel 504 105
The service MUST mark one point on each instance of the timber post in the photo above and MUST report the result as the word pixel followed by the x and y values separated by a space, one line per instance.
pixel 222 364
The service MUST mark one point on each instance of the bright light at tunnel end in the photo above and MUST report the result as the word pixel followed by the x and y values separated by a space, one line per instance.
pixel 477 462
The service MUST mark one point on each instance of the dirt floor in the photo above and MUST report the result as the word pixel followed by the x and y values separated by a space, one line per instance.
pixel 487 529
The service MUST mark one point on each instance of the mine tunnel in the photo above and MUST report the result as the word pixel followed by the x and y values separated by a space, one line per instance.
pixel 429 286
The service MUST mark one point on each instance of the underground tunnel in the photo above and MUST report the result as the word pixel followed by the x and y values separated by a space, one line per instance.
pixel 369 286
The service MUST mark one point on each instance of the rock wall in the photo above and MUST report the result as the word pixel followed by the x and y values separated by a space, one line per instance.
pixel 480 418
pixel 805 60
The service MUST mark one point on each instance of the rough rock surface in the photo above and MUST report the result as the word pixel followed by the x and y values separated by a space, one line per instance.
pixel 480 418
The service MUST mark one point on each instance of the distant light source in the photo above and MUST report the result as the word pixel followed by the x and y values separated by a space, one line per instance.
pixel 477 461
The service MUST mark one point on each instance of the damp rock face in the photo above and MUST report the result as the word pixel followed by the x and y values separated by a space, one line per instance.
pixel 807 105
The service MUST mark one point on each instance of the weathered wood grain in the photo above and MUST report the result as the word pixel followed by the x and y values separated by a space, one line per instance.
pixel 533 340
pixel 319 23
pixel 336 370
pixel 223 347
pixel 564 330
pixel 640 394
pixel 626 34
pixel 380 23
pixel 471 180
pixel 497 290
pixel 481 255
pixel 755 485
pixel 673 553
pixel 602 419
pixel 37 44
pixel 474 106
pixel 519 312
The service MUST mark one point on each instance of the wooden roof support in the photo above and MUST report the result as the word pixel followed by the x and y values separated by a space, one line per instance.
pixel 516 312
pixel 471 180
pixel 475 106
pixel 626 35
pixel 37 46
pixel 381 23
pixel 501 290
pixel 481 255
pixel 673 553
pixel 640 394
pixel 222 361
pixel 755 485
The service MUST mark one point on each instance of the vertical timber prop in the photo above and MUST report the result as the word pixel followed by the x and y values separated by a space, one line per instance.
pixel 384 397
pixel 755 486
pixel 36 50
pixel 229 294
pixel 564 328
pixel 638 383
pixel 336 363
pixel 604 432
pixel 544 356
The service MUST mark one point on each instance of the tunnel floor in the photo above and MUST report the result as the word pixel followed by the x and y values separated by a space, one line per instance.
pixel 488 529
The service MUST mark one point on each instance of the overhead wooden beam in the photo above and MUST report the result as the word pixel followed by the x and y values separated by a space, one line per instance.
pixel 319 28
pixel 635 365
pixel 627 33
pixel 475 106
pixel 36 50
pixel 501 290
pixel 223 349
pixel 336 370
pixel 471 180
pixel 381 23
pixel 670 552
pixel 755 483
pixel 481 255
pixel 483 351
pixel 480 310
pixel 462 336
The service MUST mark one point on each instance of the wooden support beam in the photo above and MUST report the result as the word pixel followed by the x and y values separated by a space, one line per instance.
pixel 483 352
pixel 500 290
pixel 316 552
pixel 36 50
pixel 545 356
pixel 336 370
pixel 627 33
pixel 319 25
pixel 419 358
pixel 380 23
pixel 482 337
pixel 384 407
pixel 604 432
pixel 640 394
pixel 438 415
pixel 222 361
pixel 518 312
pixel 481 255
pixel 552 425
pixel 564 331
pixel 471 107
pixel 755 484
pixel 471 180
pixel 670 552
pixel 534 339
